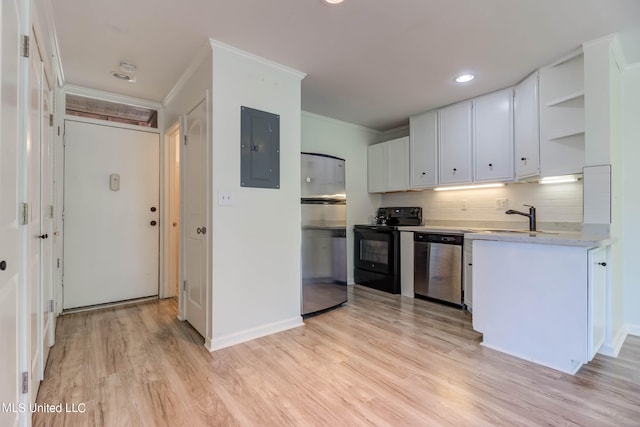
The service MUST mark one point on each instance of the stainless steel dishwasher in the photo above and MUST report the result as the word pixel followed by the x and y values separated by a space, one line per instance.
pixel 438 267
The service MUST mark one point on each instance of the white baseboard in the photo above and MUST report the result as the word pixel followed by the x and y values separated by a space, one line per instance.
pixel 613 348
pixel 633 330
pixel 253 333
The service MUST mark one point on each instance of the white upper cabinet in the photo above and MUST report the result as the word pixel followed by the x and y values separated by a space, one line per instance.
pixel 376 168
pixel 398 164
pixel 388 166
pixel 562 125
pixel 493 136
pixel 424 150
pixel 455 144
pixel 527 128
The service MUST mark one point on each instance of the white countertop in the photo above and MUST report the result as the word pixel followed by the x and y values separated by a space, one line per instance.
pixel 564 238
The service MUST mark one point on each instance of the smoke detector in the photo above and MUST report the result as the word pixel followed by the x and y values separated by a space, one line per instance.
pixel 127 67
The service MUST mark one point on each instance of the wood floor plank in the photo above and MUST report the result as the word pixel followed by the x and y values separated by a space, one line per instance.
pixel 380 360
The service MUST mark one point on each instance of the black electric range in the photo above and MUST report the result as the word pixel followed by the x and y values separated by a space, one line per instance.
pixel 377 248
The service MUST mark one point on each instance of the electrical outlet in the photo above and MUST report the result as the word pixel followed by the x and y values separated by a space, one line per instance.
pixel 501 203
pixel 225 198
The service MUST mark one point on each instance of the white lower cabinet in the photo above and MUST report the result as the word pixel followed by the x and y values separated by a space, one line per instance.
pixel 598 260
pixel 540 302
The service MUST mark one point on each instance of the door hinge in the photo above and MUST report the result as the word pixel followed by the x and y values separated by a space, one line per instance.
pixel 24 213
pixel 58 130
pixel 25 382
pixel 25 46
pixel 184 285
pixel 50 306
pixel 50 211
pixel 51 120
pixel 58 263
pixel 186 140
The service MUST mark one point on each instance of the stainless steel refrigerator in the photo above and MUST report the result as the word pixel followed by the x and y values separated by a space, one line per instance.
pixel 324 231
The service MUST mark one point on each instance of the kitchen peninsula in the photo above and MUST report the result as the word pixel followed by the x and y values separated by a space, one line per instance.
pixel 541 296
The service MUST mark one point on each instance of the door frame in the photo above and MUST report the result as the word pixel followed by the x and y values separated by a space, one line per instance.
pixel 165 230
pixel 182 301
pixel 60 117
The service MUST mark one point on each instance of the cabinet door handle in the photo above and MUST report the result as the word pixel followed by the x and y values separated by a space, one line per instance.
pixel 604 264
pixel 424 173
pixel 490 165
pixel 524 159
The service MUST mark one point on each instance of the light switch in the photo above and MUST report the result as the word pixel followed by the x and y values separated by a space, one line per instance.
pixel 114 182
pixel 225 198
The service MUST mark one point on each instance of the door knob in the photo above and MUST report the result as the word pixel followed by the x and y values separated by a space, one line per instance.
pixel 43 236
pixel 153 209
pixel 153 223
pixel 201 230
pixel 3 265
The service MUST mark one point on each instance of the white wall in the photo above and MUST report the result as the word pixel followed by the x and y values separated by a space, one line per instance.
pixel 328 136
pixel 554 203
pixel 630 199
pixel 256 242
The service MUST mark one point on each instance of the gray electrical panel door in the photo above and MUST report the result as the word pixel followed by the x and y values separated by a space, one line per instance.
pixel 260 149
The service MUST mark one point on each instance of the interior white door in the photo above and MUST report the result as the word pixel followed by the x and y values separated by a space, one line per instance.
pixel 34 226
pixel 111 214
pixel 194 199
pixel 10 240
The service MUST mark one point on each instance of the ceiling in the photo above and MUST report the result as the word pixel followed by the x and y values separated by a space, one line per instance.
pixel 368 62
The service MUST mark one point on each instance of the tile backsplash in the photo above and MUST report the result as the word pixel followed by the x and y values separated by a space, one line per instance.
pixel 555 203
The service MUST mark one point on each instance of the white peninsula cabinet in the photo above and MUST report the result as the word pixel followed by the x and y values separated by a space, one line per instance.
pixel 543 302
pixel 493 136
pixel 423 142
pixel 455 143
pixel 388 166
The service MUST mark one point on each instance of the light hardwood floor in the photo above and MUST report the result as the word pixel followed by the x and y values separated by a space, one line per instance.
pixel 380 360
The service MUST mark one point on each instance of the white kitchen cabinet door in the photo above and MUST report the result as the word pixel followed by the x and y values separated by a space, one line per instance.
pixel 493 136
pixel 397 164
pixel 455 144
pixel 376 168
pixel 388 166
pixel 597 317
pixel 423 130
pixel 526 122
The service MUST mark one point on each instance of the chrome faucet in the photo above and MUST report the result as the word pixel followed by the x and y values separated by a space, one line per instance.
pixel 531 215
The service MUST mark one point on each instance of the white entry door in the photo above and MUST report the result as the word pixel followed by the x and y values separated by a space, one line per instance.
pixel 9 232
pixel 111 214
pixel 194 229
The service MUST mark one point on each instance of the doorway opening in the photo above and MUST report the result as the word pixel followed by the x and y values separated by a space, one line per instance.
pixel 173 141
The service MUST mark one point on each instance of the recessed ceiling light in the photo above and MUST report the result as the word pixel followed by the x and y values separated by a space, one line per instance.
pixel 333 1
pixel 464 78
